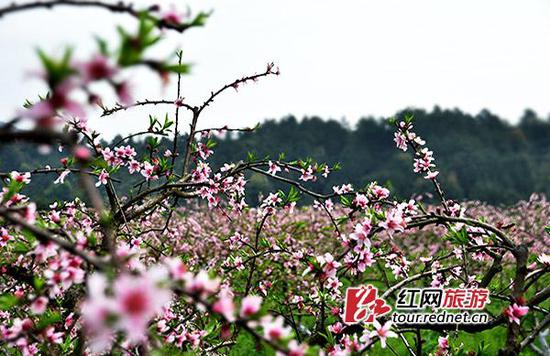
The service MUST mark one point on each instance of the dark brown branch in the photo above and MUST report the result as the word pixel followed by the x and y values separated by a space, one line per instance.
pixel 37 136
pixel 177 114
pixel 45 237
pixel 119 107
pixel 534 333
pixel 136 135
pixel 119 7
pixel 227 129
pixel 503 237
pixel 270 70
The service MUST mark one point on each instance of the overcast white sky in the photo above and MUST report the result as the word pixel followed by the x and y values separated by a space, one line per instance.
pixel 338 58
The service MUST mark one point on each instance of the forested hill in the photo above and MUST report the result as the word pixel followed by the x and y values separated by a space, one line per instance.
pixel 480 157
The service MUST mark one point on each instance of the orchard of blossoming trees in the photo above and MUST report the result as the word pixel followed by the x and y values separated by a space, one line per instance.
pixel 183 264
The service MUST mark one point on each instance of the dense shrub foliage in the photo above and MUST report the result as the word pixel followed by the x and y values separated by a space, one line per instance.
pixel 182 263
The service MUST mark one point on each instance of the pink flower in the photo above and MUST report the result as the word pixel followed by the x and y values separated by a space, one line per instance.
pixel 515 312
pixel 273 168
pixel 148 171
pixel 400 141
pixel 360 201
pixel 45 111
pixel 5 237
pixel 102 179
pixel 96 69
pixel 62 176
pixel 408 208
pixel 201 283
pixel 238 263
pixel 361 233
pixel 431 174
pixel 336 328
pixel 366 259
pixel 308 174
pixel 383 332
pixel 272 200
pixel 203 151
pixel 82 153
pixel 394 221
pixel 20 177
pixel 124 93
pixel 30 213
pixel 274 328
pixel 137 299
pixel 544 259
pixel 250 305
pixel 176 267
pixel 225 306
pixel 424 161
pixel 109 156
pixel 69 320
pixel 227 167
pixel 172 17
pixel 97 306
pixel 378 192
pixel 329 264
pixel 295 349
pixel 52 336
pixel 39 305
pixel 443 343
pixel 329 205
pixel 19 292
pixel 125 152
pixel 346 188
pixel 134 166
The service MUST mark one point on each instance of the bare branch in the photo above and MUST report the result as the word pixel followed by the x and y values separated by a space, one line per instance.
pixel 119 7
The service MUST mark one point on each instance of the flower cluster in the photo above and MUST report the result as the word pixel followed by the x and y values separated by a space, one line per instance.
pixel 423 160
pixel 184 264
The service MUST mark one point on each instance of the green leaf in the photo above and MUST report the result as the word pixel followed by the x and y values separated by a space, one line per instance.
pixel 8 301
pixel 211 143
pixel 20 248
pixel 211 327
pixel 345 201
pixel 458 237
pixel 264 242
pixel 48 318
pixel 38 282
pixel 57 70
pixel 293 195
pixel 200 19
pixel 102 45
pixel 250 156
pixel 177 68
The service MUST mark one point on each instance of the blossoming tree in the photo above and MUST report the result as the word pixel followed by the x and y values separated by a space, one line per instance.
pixel 183 263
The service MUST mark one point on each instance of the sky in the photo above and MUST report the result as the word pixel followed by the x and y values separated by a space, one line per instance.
pixel 338 59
